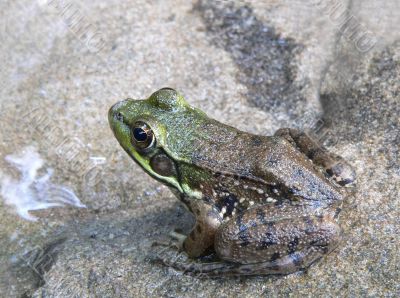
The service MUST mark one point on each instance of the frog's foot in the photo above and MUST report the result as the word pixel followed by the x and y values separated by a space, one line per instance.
pixel 167 254
pixel 170 256
pixel 198 269
pixel 175 242
pixel 178 238
pixel 341 171
pixel 334 165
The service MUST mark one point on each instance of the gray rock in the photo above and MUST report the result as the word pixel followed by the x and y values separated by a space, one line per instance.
pixel 328 67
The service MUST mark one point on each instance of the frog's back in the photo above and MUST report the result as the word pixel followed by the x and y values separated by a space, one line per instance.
pixel 271 161
pixel 298 175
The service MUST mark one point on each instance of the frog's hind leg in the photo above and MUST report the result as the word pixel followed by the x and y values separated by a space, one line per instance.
pixel 292 263
pixel 265 241
pixel 261 241
pixel 334 164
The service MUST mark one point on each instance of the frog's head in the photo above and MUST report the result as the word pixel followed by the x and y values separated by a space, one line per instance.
pixel 155 132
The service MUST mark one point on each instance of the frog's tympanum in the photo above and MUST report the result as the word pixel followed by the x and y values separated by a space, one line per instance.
pixel 263 204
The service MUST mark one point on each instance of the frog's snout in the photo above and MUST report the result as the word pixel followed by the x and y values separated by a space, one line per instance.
pixel 115 111
pixel 118 106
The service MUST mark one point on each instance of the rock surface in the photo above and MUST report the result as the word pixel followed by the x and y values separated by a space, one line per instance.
pixel 257 65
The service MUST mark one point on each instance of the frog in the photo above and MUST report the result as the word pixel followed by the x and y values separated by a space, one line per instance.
pixel 263 205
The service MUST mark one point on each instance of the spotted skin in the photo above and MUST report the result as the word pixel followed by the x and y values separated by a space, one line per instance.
pixel 266 227
pixel 333 164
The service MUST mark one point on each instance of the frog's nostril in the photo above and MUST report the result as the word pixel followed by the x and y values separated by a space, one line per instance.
pixel 119 117
pixel 114 112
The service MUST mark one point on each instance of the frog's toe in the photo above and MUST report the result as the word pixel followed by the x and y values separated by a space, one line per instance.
pixel 342 173
pixel 178 239
pixel 175 241
pixel 195 268
pixel 161 243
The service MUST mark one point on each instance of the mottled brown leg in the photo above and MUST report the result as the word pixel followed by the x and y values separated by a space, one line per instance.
pixel 261 233
pixel 197 243
pixel 201 238
pixel 334 164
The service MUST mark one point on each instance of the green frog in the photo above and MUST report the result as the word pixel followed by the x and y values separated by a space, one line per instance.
pixel 263 204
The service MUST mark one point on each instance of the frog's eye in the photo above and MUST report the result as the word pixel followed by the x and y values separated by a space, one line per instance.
pixel 142 136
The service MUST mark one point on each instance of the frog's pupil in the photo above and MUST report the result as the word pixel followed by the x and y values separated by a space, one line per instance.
pixel 139 134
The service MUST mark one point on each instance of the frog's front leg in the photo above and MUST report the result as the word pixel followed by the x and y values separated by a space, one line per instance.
pixel 202 236
pixel 200 241
pixel 334 164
